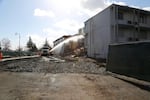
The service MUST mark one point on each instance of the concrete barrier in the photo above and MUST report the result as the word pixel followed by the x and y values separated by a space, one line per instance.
pixel 131 59
pixel 17 58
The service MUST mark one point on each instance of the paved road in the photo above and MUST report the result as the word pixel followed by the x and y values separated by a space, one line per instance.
pixel 65 86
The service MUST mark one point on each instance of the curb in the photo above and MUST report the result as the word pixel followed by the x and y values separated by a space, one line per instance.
pixel 145 85
pixel 18 58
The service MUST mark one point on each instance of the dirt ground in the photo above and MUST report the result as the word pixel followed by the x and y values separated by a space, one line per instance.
pixel 40 86
pixel 69 79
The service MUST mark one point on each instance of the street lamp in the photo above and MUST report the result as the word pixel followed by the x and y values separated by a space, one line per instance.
pixel 19 41
pixel 0 46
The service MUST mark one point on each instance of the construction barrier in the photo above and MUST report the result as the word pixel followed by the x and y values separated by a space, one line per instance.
pixel 130 59
pixel 1 56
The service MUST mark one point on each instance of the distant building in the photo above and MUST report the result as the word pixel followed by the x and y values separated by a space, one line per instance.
pixel 115 24
pixel 59 40
pixel 81 31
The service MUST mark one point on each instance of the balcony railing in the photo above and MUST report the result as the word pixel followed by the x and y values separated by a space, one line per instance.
pixel 144 25
pixel 133 23
pixel 125 22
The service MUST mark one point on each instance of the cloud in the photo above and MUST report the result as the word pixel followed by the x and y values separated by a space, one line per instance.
pixel 146 8
pixel 39 12
pixel 92 7
pixel 115 2
pixel 69 17
pixel 91 13
pixel 133 6
pixel 93 4
pixel 68 8
pixel 64 27
pixel 121 3
pixel 69 24
pixel 54 33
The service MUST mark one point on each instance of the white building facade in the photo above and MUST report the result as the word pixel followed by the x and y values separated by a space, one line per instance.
pixel 115 24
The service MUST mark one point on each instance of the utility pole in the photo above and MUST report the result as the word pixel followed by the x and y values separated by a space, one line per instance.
pixel 1 55
pixel 19 42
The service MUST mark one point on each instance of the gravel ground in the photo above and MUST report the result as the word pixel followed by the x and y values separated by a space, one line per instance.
pixel 55 65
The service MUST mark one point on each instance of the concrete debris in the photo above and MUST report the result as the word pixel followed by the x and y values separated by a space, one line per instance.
pixel 55 65
pixel 69 46
pixel 55 59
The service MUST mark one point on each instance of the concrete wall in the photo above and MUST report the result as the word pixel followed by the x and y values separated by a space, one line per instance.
pixel 97 30
pixel 131 59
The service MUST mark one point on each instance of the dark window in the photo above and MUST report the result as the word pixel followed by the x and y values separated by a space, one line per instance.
pixel 143 35
pixel 130 39
pixel 136 39
pixel 129 22
pixel 120 15
pixel 143 19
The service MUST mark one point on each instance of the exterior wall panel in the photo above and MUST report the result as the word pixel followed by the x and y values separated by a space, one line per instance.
pixel 98 34
pixel 131 59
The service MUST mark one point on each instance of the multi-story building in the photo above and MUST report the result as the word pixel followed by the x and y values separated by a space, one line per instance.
pixel 61 39
pixel 115 24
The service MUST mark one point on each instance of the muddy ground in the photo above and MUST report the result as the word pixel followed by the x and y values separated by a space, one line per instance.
pixel 63 79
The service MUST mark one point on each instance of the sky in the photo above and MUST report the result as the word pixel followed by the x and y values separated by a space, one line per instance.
pixel 50 19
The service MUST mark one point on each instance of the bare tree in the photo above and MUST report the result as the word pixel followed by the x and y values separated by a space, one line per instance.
pixel 5 44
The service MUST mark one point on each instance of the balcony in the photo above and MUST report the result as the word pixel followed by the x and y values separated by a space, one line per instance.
pixel 125 23
pixel 145 26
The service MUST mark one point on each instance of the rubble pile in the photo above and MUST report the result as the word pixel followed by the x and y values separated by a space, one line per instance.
pixel 72 45
pixel 55 65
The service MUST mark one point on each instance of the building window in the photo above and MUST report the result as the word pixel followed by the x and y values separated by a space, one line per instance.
pixel 120 15
pixel 143 35
pixel 143 19
pixel 129 39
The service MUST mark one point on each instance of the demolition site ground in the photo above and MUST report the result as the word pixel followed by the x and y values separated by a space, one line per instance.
pixel 68 78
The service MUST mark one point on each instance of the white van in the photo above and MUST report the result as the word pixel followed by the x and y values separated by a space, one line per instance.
pixel 45 51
